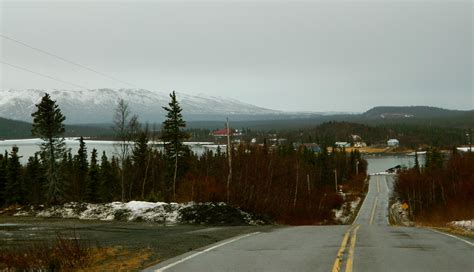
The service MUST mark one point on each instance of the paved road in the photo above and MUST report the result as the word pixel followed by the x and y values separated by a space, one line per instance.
pixel 370 244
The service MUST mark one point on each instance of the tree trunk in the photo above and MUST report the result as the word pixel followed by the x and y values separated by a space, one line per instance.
pixel 296 186
pixel 175 173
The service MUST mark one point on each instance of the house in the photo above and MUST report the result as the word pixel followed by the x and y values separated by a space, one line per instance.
pixel 342 144
pixel 313 147
pixel 223 132
pixel 393 143
pixel 360 144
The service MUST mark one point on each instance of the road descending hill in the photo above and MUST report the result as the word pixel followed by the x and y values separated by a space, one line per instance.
pixel 370 244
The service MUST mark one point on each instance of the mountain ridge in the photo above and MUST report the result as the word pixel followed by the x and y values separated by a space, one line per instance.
pixel 98 105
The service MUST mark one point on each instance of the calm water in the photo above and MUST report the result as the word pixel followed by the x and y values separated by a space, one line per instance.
pixel 382 163
pixel 28 147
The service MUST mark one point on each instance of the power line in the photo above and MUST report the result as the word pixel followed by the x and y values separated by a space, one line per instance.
pixel 66 60
pixel 43 75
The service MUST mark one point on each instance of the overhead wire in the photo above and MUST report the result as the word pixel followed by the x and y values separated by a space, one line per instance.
pixel 43 75
pixel 65 60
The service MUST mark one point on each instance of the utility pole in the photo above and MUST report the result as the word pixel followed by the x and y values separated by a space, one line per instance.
pixel 335 178
pixel 357 167
pixel 229 156
pixel 470 140
pixel 307 181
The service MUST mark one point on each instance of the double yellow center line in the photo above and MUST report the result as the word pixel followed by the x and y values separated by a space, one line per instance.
pixel 352 233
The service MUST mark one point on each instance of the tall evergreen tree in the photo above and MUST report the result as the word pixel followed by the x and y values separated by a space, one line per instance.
pixel 48 125
pixel 141 157
pixel 81 168
pixel 14 187
pixel 3 177
pixel 34 180
pixel 107 180
pixel 173 136
pixel 93 179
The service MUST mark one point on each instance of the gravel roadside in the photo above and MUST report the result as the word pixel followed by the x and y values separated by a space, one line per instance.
pixel 160 242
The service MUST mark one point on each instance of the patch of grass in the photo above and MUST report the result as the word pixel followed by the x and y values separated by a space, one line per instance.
pixel 65 253
pixel 70 253
pixel 119 259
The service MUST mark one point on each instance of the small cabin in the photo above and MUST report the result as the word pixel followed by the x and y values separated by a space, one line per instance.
pixel 393 143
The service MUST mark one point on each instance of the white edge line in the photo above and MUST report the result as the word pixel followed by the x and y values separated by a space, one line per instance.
pixel 453 236
pixel 362 205
pixel 204 251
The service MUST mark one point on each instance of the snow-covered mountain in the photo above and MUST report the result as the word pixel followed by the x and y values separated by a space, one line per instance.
pixel 97 106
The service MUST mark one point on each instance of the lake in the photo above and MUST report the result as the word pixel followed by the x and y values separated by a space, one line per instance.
pixel 28 147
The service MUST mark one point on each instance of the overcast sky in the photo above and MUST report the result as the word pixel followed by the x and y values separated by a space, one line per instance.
pixel 304 56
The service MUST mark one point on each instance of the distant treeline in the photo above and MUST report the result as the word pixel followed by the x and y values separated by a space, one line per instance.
pixel 291 186
pixel 440 191
pixel 288 185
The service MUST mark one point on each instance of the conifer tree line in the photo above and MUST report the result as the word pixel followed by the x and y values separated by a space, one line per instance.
pixel 295 186
pixel 441 190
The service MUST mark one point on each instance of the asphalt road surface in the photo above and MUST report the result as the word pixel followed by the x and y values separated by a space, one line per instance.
pixel 370 244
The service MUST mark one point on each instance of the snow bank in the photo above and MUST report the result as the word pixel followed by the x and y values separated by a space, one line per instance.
pixel 464 224
pixel 159 212
pixel 344 214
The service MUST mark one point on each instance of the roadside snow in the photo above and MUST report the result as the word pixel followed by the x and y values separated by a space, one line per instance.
pixel 464 224
pixel 159 212
pixel 347 210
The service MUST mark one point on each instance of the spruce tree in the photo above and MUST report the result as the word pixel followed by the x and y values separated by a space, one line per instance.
pixel 173 136
pixel 3 177
pixel 93 179
pixel 48 125
pixel 34 180
pixel 81 168
pixel 107 180
pixel 141 159
pixel 14 187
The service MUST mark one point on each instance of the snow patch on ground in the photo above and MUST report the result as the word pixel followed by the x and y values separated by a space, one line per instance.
pixel 463 224
pixel 347 210
pixel 159 212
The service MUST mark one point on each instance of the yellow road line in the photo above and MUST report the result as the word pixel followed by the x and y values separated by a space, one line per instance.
pixel 378 184
pixel 340 254
pixel 350 259
pixel 373 211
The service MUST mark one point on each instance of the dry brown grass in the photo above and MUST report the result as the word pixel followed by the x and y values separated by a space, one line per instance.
pixel 446 228
pixel 118 259
pixel 70 253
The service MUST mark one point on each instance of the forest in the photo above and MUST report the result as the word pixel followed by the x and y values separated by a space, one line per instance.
pixel 288 185
pixel 442 190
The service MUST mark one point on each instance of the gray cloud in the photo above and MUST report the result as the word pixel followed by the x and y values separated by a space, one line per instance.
pixel 313 56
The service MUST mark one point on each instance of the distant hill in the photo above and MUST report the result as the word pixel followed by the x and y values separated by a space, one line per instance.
pixel 386 112
pixel 12 129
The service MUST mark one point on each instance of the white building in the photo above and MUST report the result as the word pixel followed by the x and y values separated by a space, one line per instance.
pixel 342 144
pixel 393 143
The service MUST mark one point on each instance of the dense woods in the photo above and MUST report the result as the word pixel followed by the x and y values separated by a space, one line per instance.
pixel 288 185
pixel 441 190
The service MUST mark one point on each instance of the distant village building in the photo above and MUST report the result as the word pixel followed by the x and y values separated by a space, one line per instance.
pixel 393 143
pixel 360 144
pixel 223 132
pixel 342 144
pixel 313 147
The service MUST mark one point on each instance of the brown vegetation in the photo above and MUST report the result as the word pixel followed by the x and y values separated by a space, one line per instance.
pixel 442 191
pixel 70 253
pixel 293 187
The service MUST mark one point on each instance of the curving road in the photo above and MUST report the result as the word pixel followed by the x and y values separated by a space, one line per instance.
pixel 370 244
